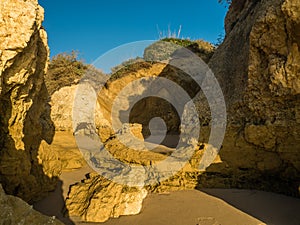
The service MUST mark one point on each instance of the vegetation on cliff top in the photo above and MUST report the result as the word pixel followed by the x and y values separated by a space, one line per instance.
pixel 66 69
pixel 161 50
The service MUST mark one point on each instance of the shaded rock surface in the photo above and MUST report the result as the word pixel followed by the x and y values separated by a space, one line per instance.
pixel 142 111
pixel 258 69
pixel 24 113
pixel 15 211
pixel 141 91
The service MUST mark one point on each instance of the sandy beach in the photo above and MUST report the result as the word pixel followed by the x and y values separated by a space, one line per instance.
pixel 190 207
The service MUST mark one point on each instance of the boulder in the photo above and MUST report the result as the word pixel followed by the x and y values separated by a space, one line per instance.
pixel 97 199
pixel 15 211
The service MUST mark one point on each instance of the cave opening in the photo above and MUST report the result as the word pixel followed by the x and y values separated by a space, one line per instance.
pixel 154 107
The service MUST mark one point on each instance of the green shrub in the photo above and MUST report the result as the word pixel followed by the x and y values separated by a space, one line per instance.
pixel 66 69
pixel 161 50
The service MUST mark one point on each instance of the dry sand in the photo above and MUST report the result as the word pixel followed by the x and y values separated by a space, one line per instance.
pixel 205 207
pixel 193 207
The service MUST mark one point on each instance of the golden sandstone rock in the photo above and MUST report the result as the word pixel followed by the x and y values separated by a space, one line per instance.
pixel 258 69
pixel 97 199
pixel 61 155
pixel 25 114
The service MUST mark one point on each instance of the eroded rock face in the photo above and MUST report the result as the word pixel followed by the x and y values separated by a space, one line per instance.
pixel 24 113
pixel 141 80
pixel 61 108
pixel 15 211
pixel 258 69
pixel 98 199
pixel 61 155
pixel 94 198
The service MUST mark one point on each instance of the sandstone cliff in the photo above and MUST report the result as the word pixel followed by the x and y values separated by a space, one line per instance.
pixel 24 113
pixel 258 69
pixel 61 108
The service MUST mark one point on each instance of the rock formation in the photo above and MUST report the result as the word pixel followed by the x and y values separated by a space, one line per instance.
pixel 61 108
pixel 15 211
pixel 141 80
pixel 24 112
pixel 98 199
pixel 62 103
pixel 61 155
pixel 258 69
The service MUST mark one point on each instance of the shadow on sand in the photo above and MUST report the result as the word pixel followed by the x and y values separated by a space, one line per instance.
pixel 268 207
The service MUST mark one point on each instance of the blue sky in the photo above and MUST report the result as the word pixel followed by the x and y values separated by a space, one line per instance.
pixel 94 27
